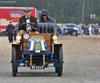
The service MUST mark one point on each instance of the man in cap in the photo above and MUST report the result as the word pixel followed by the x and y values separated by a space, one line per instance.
pixel 27 22
pixel 44 18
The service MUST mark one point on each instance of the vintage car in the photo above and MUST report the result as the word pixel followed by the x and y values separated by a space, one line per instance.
pixel 38 50
pixel 71 29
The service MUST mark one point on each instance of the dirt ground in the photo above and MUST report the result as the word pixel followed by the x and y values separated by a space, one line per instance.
pixel 81 57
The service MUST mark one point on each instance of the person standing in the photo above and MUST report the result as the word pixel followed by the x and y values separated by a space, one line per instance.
pixel 10 31
pixel 90 29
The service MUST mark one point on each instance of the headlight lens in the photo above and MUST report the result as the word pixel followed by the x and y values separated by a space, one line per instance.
pixel 18 38
pixel 75 28
pixel 55 38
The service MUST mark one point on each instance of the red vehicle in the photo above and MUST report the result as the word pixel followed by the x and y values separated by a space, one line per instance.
pixel 12 14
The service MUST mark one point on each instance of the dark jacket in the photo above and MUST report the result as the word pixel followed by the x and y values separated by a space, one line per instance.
pixel 32 20
pixel 49 20
pixel 10 28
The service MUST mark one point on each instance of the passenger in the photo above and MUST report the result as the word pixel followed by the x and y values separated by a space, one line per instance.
pixel 28 23
pixel 44 18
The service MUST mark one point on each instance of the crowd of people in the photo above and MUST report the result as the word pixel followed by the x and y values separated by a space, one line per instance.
pixel 91 29
pixel 85 29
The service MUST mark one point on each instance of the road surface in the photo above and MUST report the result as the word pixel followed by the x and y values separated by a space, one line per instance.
pixel 82 63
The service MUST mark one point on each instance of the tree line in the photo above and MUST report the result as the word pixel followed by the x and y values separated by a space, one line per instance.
pixel 65 10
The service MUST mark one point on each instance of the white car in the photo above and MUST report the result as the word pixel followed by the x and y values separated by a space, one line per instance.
pixel 71 29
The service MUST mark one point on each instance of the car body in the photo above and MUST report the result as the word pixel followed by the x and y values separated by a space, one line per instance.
pixel 71 29
pixel 38 50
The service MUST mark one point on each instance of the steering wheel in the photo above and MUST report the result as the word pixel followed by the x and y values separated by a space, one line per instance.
pixel 30 27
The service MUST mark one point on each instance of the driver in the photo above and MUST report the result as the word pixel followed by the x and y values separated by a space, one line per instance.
pixel 27 23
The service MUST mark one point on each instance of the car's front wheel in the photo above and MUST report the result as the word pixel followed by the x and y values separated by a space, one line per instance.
pixel 74 33
pixel 14 67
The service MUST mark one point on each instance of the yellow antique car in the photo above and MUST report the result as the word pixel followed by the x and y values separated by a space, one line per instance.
pixel 38 50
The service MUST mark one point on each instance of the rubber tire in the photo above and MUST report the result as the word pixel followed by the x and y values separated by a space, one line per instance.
pixel 14 67
pixel 74 33
pixel 56 69
pixel 59 69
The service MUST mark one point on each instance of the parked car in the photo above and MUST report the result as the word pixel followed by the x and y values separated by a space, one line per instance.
pixel 71 29
pixel 2 33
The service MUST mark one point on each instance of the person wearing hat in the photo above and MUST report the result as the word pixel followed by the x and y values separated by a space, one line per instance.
pixel 44 18
pixel 27 22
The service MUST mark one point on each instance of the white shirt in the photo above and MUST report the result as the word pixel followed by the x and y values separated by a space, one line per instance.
pixel 28 25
